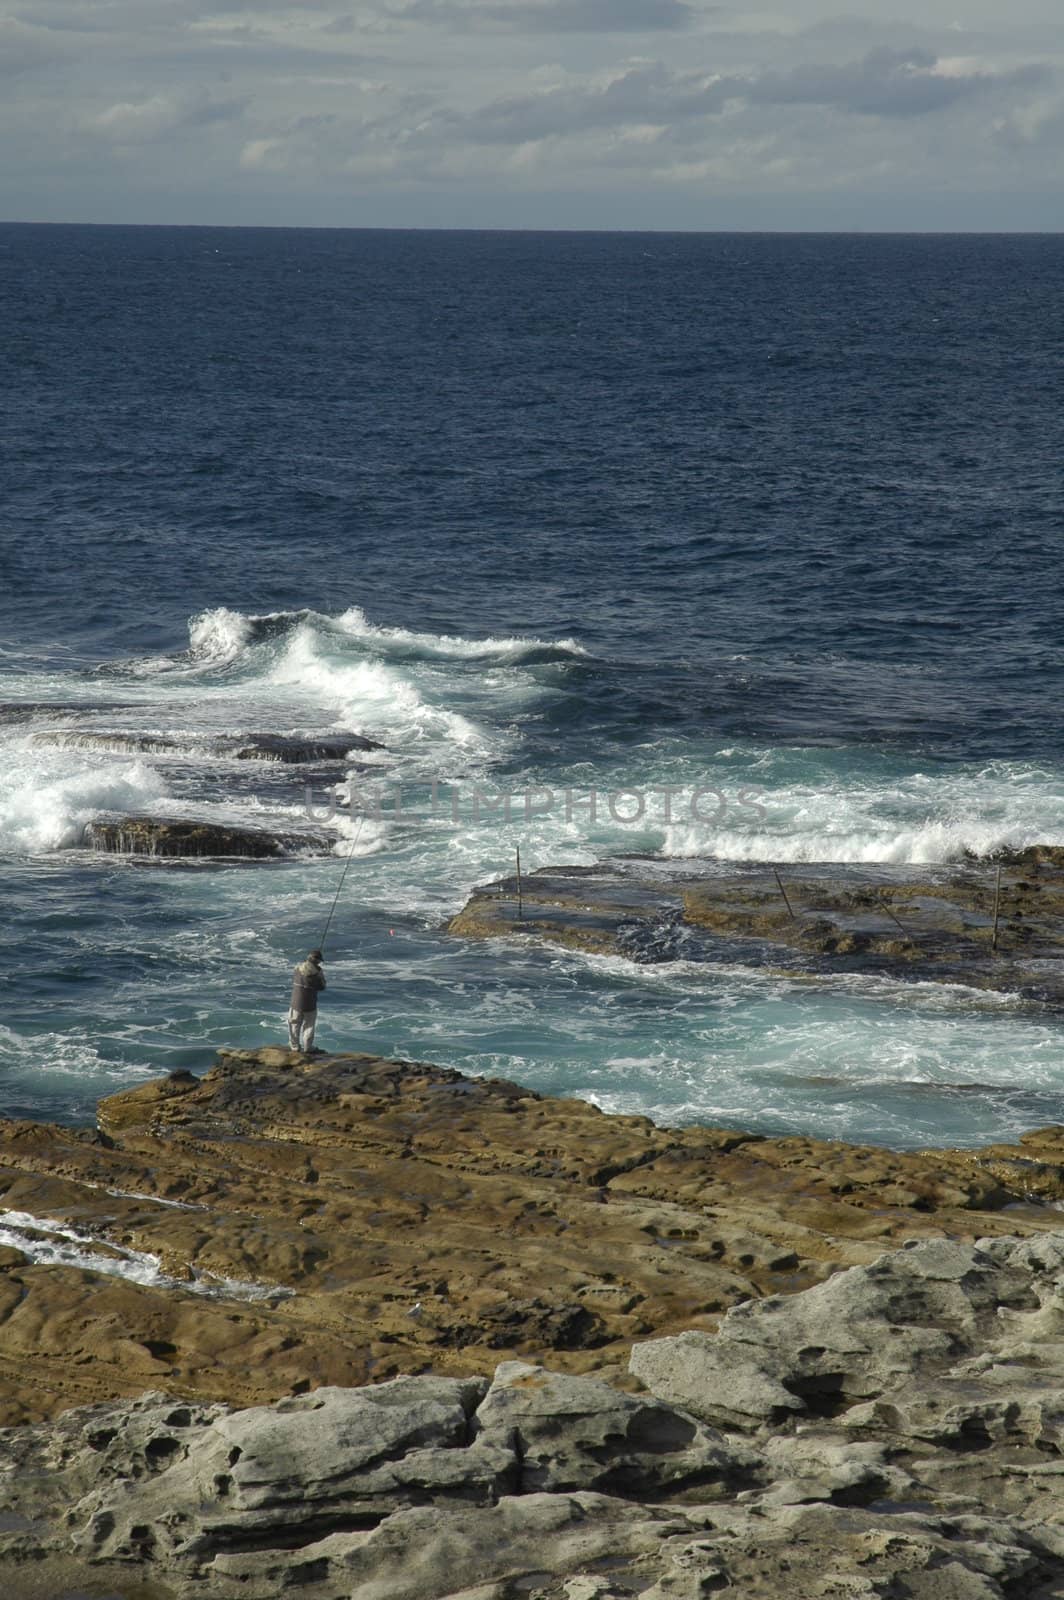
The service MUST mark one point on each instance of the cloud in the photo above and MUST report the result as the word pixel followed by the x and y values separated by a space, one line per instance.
pixel 283 101
pixel 1037 123
pixel 24 47
pixel 551 16
pixel 159 117
pixel 889 83
pixel 886 83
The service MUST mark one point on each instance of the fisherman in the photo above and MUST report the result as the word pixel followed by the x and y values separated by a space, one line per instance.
pixel 308 980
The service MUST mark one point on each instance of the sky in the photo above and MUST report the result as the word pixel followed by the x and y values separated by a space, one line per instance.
pixel 632 114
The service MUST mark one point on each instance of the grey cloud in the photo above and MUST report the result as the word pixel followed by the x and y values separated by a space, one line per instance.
pixel 886 83
pixel 226 8
pixel 525 95
pixel 1033 127
pixel 552 16
pixel 647 93
pixel 24 47
pixel 160 117
pixel 131 17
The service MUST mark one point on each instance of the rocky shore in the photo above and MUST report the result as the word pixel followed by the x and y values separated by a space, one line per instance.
pixel 990 924
pixel 896 1432
pixel 603 1359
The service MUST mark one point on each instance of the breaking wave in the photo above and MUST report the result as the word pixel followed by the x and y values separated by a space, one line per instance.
pixel 45 806
pixel 414 689
pixel 933 843
pixel 370 695
pixel 894 816
pixel 220 636
pixel 402 645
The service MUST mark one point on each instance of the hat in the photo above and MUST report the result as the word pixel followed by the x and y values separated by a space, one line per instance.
pixel 315 955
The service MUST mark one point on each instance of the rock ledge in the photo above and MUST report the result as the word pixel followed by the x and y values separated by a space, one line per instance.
pixel 902 1438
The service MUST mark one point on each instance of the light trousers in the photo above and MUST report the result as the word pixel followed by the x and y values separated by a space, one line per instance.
pixel 301 1025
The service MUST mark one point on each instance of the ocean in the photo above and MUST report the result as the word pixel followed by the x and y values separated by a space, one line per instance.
pixel 776 518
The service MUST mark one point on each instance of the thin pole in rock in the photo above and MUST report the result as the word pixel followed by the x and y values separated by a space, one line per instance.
pixel 997 906
pixel 783 892
pixel 520 890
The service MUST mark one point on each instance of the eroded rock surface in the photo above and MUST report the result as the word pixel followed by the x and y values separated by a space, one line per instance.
pixel 285 1223
pixel 908 1316
pixel 938 924
pixel 933 1474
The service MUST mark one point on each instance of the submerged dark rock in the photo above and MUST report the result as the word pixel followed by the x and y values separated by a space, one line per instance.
pixel 286 749
pixel 27 710
pixel 930 923
pixel 189 838
pixel 111 743
pixel 297 751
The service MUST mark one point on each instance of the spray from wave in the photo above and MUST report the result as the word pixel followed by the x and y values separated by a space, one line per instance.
pixel 220 635
pixel 418 691
pixel 45 806
pixel 370 695
pixel 857 834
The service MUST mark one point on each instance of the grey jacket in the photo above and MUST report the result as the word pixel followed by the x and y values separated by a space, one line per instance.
pixel 308 980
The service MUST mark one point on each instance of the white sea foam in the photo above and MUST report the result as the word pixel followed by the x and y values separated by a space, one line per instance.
pixel 935 842
pixel 360 836
pixel 45 802
pixel 444 646
pixel 730 983
pixel 152 1199
pixel 840 1065
pixel 902 818
pixel 369 695
pixel 69 1054
pixel 219 635
pixel 66 1246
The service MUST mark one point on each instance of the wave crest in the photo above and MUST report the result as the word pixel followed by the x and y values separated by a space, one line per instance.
pixel 404 645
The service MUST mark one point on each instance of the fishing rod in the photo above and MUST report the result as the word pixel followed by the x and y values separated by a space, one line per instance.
pixel 343 875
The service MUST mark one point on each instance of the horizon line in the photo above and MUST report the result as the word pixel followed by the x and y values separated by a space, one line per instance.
pixel 322 227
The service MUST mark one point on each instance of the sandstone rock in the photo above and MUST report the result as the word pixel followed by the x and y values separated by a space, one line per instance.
pixel 579 1433
pixel 849 1339
pixel 385 1491
pixel 693 1371
pixel 433 1489
pixel 347 1219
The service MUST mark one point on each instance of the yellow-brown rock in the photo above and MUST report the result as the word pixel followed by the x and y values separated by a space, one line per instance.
pixel 297 1222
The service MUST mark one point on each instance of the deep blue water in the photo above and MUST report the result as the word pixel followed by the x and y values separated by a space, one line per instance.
pixel 772 514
